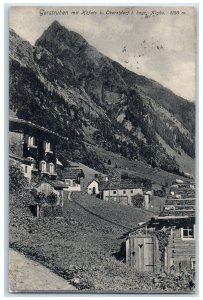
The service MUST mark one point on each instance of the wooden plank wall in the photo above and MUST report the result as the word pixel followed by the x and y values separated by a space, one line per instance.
pixel 180 252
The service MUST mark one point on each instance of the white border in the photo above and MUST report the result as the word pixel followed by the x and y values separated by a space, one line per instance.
pixel 3 109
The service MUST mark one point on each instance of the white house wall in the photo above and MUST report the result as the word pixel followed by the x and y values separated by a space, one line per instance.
pixel 76 188
pixel 72 186
pixel 93 184
pixel 121 193
pixel 27 174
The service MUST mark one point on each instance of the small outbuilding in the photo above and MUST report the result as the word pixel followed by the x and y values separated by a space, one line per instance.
pixel 52 186
pixel 93 187
pixel 166 242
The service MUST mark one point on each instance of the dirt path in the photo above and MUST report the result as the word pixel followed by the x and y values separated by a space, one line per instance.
pixel 27 275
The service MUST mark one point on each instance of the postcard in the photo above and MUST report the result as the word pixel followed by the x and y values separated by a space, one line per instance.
pixel 102 149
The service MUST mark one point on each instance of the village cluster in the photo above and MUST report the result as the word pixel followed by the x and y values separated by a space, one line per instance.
pixel 165 242
pixel 34 148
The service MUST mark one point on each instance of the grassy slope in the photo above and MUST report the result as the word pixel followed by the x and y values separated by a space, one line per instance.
pixel 135 167
pixel 123 215
pixel 80 247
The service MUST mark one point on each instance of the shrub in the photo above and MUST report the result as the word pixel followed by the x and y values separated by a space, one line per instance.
pixel 138 200
pixel 17 180
pixel 39 198
pixel 52 199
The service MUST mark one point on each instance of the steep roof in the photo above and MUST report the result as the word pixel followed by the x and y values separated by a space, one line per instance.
pixel 54 183
pixel 73 164
pixel 20 125
pixel 70 173
pixel 120 185
pixel 57 184
pixel 24 160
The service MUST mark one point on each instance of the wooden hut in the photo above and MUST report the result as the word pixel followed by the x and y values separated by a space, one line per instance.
pixel 167 242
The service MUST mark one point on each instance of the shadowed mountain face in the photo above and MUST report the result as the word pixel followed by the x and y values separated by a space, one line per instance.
pixel 66 85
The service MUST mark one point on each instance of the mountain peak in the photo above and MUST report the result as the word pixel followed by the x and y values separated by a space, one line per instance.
pixel 57 37
pixel 106 104
pixel 55 24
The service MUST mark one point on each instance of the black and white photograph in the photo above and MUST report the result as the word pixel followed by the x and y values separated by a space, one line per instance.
pixel 102 151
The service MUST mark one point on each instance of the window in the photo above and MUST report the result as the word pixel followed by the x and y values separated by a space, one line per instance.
pixel 31 141
pixel 33 166
pixel 124 192
pixel 47 147
pixel 68 182
pixel 131 191
pixel 192 263
pixel 43 166
pixel 25 169
pixel 187 232
pixel 114 192
pixel 51 168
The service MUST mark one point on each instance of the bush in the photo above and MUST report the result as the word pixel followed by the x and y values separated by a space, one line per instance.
pixel 52 200
pixel 17 180
pixel 138 201
pixel 56 211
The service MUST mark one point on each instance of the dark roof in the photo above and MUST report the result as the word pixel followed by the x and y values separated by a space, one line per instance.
pixel 101 182
pixel 73 164
pixel 57 184
pixel 20 125
pixel 54 183
pixel 120 185
pixel 20 158
pixel 70 173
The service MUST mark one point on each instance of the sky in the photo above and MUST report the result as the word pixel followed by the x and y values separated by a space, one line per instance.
pixel 157 42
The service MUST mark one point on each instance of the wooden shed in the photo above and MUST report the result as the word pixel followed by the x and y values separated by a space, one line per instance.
pixel 141 252
pixel 166 242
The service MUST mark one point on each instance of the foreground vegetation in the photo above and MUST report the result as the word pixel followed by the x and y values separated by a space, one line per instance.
pixel 83 248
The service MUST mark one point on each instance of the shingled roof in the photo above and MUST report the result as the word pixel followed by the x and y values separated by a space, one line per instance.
pixel 54 183
pixel 70 173
pixel 121 185
pixel 20 158
pixel 17 125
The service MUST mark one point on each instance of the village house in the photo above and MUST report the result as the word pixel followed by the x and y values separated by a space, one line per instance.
pixel 167 242
pixel 26 164
pixel 93 187
pixel 34 147
pixel 72 178
pixel 52 186
pixel 47 187
pixel 121 191
pixel 96 185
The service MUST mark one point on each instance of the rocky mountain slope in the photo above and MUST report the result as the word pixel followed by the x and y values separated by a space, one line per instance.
pixel 65 84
